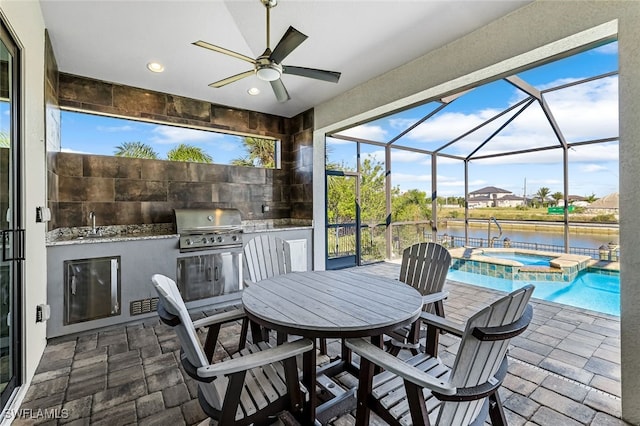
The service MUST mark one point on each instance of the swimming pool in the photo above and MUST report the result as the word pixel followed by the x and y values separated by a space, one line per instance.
pixel 589 290
pixel 525 259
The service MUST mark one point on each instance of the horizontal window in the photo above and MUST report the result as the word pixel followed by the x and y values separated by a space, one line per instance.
pixel 101 135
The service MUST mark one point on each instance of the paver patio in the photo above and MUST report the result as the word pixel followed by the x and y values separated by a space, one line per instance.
pixel 564 370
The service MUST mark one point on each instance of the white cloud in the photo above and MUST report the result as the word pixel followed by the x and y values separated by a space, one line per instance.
pixel 366 131
pixel 115 129
pixel 396 178
pixel 74 151
pixel 608 49
pixel 590 168
pixel 172 135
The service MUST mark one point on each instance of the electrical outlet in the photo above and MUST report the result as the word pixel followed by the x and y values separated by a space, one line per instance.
pixel 43 313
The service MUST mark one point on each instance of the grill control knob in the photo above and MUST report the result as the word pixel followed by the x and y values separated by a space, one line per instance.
pixel 204 240
pixel 234 238
pixel 212 240
pixel 188 241
pixel 219 239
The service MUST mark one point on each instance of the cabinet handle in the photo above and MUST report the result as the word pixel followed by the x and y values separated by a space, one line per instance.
pixel 73 285
pixel 217 273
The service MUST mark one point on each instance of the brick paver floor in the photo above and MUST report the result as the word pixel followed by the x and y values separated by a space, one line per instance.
pixel 564 370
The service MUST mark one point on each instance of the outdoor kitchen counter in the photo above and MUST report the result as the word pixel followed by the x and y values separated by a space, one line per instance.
pixel 274 228
pixel 110 239
pixel 111 234
pixel 275 225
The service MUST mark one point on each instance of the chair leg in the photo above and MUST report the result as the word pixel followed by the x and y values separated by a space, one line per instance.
pixel 496 411
pixel 365 384
pixel 323 346
pixel 244 330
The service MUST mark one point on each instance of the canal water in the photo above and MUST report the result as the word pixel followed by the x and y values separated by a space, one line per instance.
pixel 552 237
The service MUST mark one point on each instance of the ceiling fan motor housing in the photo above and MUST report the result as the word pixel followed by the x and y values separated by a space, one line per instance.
pixel 268 70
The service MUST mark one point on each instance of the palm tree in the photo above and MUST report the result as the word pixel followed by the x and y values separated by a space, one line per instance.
pixel 557 196
pixel 542 194
pixel 590 198
pixel 136 150
pixel 244 161
pixel 260 153
pixel 184 152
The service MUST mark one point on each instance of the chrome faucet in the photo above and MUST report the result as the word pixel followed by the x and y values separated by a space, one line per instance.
pixel 94 232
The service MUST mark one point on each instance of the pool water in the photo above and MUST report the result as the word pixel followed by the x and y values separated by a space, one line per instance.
pixel 525 259
pixel 590 290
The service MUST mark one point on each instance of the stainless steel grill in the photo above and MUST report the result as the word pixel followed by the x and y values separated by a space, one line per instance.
pixel 211 243
pixel 205 229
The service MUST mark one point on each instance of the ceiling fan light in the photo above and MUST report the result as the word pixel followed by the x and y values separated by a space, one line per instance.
pixel 268 73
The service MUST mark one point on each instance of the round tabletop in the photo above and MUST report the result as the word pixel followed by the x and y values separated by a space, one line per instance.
pixel 331 303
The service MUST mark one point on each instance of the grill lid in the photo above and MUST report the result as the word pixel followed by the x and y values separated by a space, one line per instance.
pixel 199 221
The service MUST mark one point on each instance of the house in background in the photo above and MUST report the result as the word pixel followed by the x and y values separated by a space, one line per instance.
pixel 609 204
pixel 575 200
pixel 490 196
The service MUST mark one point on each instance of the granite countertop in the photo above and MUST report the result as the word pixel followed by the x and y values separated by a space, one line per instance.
pixel 118 233
pixel 110 234
pixel 273 228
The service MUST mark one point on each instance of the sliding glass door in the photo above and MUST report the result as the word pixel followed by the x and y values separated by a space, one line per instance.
pixel 11 232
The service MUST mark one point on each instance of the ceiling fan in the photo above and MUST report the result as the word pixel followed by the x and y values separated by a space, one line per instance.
pixel 268 66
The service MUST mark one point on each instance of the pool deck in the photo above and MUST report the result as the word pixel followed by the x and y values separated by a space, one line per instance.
pixel 564 369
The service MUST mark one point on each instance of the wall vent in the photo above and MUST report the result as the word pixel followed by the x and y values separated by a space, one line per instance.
pixel 143 306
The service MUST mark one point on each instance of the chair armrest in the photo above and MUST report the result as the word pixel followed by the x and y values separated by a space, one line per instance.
pixel 220 318
pixel 390 363
pixel 434 297
pixel 256 359
pixel 449 326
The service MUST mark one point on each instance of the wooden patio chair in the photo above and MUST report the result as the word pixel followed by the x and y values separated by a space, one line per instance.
pixel 424 267
pixel 253 386
pixel 423 391
pixel 266 256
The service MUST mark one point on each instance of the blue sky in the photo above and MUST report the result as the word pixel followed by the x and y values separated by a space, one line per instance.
pixel 94 134
pixel 583 112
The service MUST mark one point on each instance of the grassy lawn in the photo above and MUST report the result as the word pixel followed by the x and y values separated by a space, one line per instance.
pixel 530 213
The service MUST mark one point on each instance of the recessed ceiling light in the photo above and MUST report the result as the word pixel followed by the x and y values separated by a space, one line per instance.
pixel 155 67
pixel 253 91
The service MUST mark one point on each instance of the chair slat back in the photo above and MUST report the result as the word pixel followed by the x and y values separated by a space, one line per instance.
pixel 425 267
pixel 172 302
pixel 477 361
pixel 266 256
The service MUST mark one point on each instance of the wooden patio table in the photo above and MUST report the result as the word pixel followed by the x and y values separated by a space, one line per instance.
pixel 330 304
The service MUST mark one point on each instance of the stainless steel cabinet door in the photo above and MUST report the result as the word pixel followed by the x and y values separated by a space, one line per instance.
pixel 92 289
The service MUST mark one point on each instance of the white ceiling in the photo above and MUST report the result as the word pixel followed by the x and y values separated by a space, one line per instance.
pixel 113 41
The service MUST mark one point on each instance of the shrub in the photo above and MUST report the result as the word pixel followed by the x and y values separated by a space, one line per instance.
pixel 604 218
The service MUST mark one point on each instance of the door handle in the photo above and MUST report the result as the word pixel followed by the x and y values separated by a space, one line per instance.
pixel 17 247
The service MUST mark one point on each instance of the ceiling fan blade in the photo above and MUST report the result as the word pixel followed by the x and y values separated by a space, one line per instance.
pixel 281 92
pixel 223 50
pixel 330 76
pixel 289 41
pixel 231 79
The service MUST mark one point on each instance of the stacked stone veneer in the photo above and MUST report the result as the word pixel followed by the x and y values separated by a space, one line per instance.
pixel 125 191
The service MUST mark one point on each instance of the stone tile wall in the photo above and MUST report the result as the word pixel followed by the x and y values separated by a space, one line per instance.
pixel 126 191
